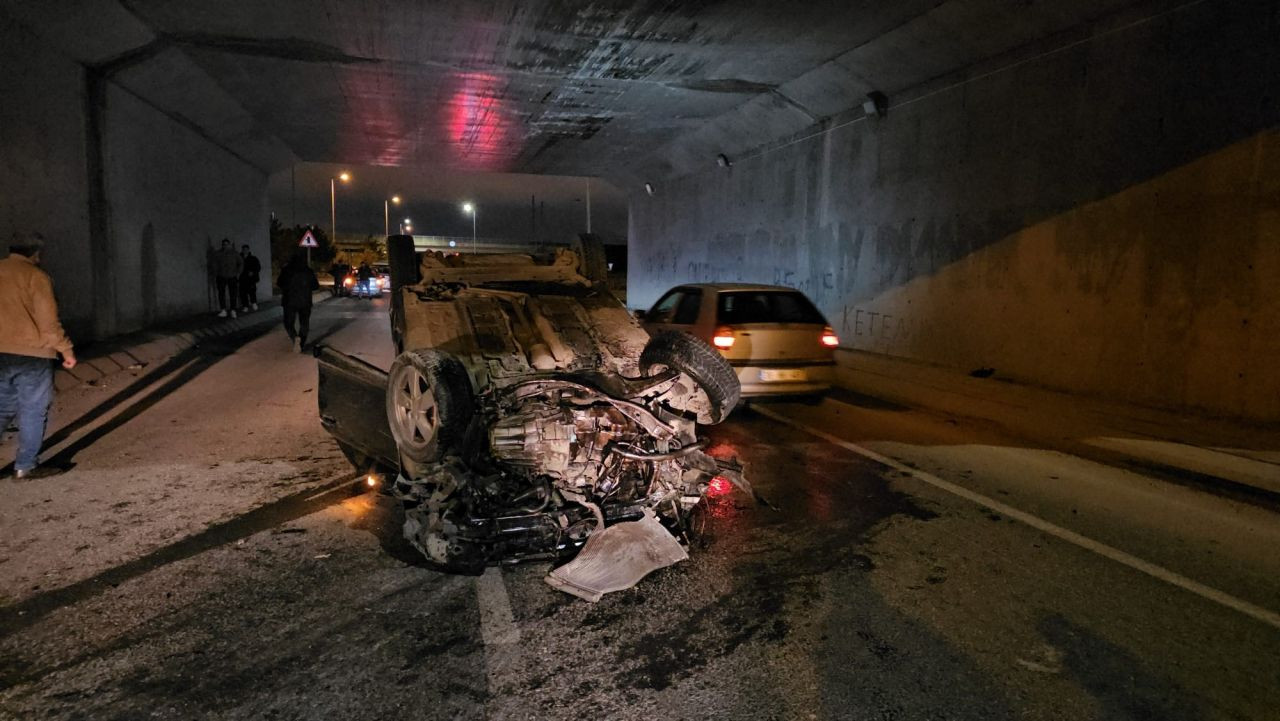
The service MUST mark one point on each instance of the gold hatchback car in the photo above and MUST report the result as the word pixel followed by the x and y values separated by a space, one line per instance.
pixel 774 337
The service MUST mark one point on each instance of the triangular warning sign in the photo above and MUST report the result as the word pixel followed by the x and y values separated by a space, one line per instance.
pixel 308 241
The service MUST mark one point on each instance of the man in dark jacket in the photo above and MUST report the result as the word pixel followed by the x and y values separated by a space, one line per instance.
pixel 227 265
pixel 364 274
pixel 249 279
pixel 296 284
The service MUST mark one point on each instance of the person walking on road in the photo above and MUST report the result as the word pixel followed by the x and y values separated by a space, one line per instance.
pixel 339 272
pixel 30 338
pixel 296 283
pixel 363 276
pixel 227 265
pixel 249 274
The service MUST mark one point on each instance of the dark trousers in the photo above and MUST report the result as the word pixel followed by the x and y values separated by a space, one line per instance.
pixel 303 316
pixel 26 390
pixel 248 292
pixel 226 293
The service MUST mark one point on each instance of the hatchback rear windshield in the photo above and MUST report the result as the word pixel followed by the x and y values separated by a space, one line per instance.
pixel 766 306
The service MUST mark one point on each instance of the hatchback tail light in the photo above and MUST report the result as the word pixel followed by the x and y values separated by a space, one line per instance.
pixel 723 338
pixel 829 338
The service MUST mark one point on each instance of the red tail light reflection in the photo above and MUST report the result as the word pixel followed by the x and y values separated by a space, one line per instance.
pixel 723 339
pixel 719 486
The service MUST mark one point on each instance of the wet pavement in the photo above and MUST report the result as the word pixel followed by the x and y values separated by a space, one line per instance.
pixel 858 591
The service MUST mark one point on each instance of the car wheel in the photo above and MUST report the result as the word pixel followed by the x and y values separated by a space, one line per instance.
pixel 708 370
pixel 428 405
pixel 592 263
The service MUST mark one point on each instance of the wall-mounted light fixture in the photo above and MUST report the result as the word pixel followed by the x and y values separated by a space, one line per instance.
pixel 723 160
pixel 648 188
pixel 876 104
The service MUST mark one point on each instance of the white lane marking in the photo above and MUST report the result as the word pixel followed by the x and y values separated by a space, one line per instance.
pixel 498 630
pixel 497 624
pixel 1255 612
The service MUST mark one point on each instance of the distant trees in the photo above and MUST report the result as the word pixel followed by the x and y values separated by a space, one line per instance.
pixel 371 250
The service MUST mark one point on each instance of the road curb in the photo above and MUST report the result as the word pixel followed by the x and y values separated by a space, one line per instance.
pixel 1117 434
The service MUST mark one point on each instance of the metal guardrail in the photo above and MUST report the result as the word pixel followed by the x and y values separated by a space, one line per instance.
pixel 454 244
pixel 461 244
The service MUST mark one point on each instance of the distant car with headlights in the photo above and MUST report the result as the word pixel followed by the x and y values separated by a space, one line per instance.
pixel 382 273
pixel 372 287
pixel 344 285
pixel 776 340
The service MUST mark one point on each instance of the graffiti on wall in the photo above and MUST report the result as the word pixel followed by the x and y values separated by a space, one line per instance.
pixel 863 327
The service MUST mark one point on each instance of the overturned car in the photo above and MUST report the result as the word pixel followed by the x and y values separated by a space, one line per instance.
pixel 528 416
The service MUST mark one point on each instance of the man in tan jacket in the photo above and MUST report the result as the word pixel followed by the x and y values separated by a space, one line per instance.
pixel 30 338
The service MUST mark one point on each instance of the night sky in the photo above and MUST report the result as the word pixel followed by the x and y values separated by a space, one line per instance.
pixel 432 198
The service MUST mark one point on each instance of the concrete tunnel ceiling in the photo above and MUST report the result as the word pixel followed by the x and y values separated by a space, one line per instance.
pixel 629 91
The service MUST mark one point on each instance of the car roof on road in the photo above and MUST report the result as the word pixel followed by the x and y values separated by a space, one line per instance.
pixel 718 287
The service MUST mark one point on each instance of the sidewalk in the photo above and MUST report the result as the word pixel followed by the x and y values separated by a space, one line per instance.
pixel 110 371
pixel 1220 456
pixel 215 438
pixel 147 348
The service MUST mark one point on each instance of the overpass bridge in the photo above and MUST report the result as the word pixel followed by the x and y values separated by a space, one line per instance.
pixel 1077 193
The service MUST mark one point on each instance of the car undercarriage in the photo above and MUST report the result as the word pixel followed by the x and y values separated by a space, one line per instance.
pixel 533 419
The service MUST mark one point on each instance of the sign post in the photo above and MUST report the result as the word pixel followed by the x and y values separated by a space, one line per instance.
pixel 308 241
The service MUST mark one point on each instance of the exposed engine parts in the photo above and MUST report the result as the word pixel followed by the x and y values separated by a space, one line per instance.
pixel 565 460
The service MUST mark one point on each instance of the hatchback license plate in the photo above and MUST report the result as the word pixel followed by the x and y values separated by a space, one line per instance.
pixel 788 374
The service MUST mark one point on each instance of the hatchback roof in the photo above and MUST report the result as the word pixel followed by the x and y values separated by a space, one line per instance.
pixel 720 287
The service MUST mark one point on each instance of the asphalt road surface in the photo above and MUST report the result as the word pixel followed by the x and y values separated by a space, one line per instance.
pixel 208 558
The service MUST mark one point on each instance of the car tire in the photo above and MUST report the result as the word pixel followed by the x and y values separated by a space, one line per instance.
pixel 702 364
pixel 429 405
pixel 592 263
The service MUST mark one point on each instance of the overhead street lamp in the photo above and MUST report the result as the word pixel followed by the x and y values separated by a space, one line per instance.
pixel 470 209
pixel 386 213
pixel 345 177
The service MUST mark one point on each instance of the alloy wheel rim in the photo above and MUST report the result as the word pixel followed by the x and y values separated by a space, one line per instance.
pixel 417 414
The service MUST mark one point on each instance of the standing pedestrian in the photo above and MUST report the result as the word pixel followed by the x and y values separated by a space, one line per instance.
pixel 252 267
pixel 30 338
pixel 296 282
pixel 363 277
pixel 227 265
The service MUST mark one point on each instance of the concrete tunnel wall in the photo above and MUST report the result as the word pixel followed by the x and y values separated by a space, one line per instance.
pixel 170 194
pixel 1102 219
pixel 43 181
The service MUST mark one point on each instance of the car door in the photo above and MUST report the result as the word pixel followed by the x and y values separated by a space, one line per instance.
pixel 352 405
pixel 687 312
pixel 677 310
pixel 663 312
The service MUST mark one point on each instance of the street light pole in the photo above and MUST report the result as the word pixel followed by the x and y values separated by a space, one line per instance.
pixel 471 208
pixel 344 176
pixel 386 214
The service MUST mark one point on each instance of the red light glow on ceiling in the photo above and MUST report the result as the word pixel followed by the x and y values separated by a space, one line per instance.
pixel 482 128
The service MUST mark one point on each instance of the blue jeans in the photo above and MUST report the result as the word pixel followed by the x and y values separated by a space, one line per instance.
pixel 26 391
